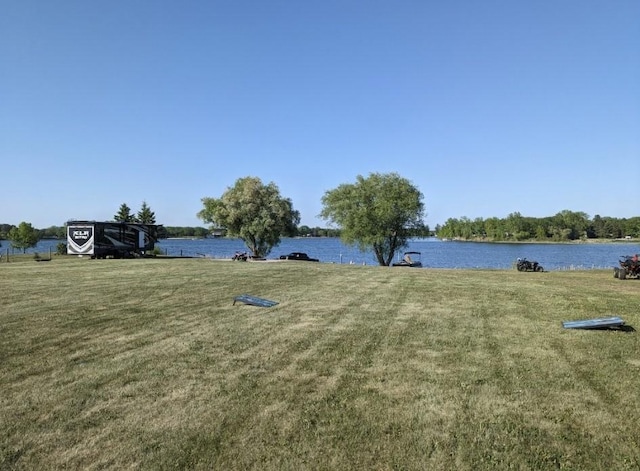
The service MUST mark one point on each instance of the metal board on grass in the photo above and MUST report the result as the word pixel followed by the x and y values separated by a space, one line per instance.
pixel 254 300
pixel 599 323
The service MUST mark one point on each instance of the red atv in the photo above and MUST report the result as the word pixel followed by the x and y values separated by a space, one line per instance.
pixel 629 267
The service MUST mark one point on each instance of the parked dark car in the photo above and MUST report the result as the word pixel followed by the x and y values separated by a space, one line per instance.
pixel 298 256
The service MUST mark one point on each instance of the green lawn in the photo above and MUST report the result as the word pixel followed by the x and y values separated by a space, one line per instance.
pixel 146 364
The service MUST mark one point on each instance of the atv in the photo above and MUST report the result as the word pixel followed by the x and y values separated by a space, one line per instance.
pixel 629 267
pixel 523 264
pixel 240 257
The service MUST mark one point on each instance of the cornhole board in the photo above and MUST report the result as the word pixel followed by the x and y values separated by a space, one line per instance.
pixel 600 323
pixel 254 301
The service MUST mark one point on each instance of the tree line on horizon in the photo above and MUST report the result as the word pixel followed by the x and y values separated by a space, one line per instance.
pixel 60 232
pixel 564 226
pixel 514 227
pixel 146 216
pixel 379 212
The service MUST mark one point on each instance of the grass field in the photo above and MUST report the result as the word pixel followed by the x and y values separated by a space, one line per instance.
pixel 146 364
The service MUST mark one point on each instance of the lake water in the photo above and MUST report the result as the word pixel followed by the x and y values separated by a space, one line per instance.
pixel 435 253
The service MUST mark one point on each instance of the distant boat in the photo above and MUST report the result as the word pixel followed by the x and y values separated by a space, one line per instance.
pixel 410 259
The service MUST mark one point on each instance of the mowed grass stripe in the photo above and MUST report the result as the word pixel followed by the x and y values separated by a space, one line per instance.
pixel 147 364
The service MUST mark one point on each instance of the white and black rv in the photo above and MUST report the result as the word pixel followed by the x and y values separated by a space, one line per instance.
pixel 110 239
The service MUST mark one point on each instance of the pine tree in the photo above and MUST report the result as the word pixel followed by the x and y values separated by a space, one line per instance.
pixel 145 215
pixel 124 214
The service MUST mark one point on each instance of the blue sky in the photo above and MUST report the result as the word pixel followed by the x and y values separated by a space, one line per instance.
pixel 488 107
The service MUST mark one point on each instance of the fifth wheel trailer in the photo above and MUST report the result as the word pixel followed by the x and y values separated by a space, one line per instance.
pixel 110 239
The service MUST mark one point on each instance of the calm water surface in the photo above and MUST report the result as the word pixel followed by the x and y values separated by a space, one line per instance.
pixel 435 253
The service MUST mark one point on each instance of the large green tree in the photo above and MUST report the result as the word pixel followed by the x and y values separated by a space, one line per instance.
pixel 254 212
pixel 24 236
pixel 377 212
pixel 574 223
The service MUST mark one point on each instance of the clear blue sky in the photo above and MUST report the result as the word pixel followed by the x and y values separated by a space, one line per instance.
pixel 488 107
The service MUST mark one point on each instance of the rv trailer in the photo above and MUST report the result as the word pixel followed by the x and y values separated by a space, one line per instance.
pixel 110 239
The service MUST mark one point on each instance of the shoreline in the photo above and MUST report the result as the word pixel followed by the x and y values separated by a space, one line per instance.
pixel 535 241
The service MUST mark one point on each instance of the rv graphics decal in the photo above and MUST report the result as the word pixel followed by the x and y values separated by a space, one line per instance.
pixel 80 240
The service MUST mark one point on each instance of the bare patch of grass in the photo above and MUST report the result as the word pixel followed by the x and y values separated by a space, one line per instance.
pixel 147 364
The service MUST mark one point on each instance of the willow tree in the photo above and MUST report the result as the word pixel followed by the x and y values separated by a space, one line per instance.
pixel 377 212
pixel 253 212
